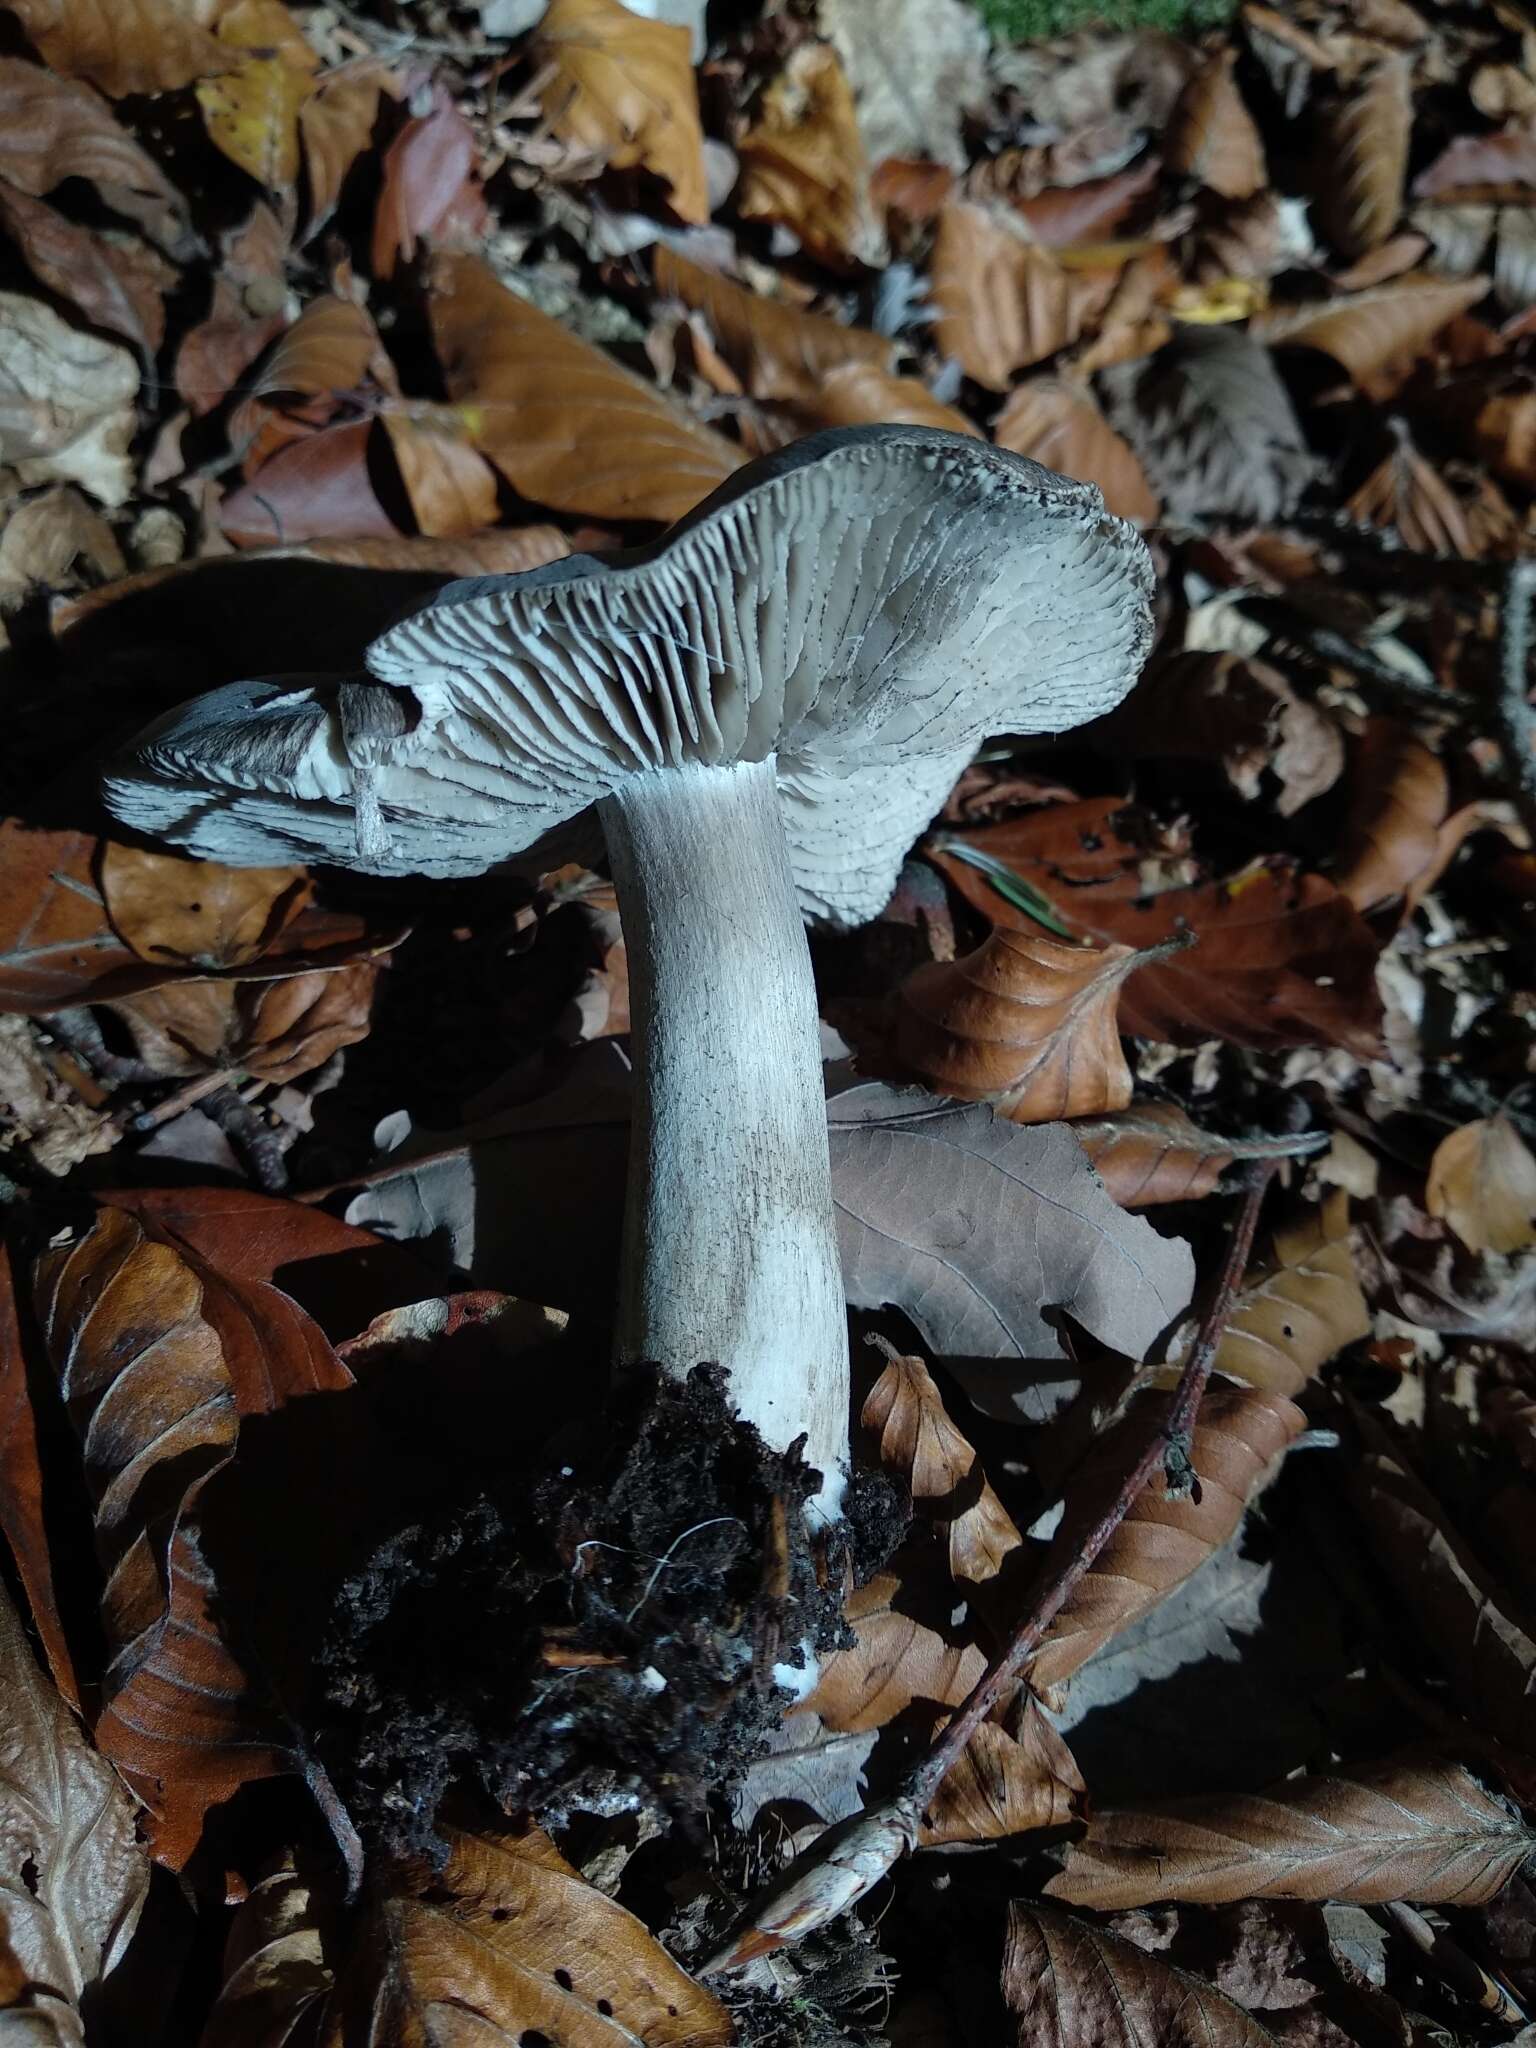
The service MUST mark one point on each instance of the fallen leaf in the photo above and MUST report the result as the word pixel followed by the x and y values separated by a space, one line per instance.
pixel 118 286
pixel 564 423
pixel 777 351
pixel 1376 335
pixel 1405 492
pixel 916 67
pixel 1421 1831
pixel 1057 422
pixel 802 162
pixel 1152 1153
pixel 316 488
pixel 57 541
pixel 910 189
pixel 336 126
pixel 1211 135
pixel 55 941
pixel 1069 1985
pixel 898 1661
pixel 1498 418
pixel 331 352
pixel 66 401
pixel 123 46
pixel 1080 214
pixel 506 1940
pixel 1002 302
pixel 251 112
pixel 1237 1440
pixel 863 395
pixel 1482 1182
pixel 1362 165
pixel 622 88
pixel 1303 1310
pixel 428 173
pixel 1006 1785
pixel 54 129
pixel 1027 1022
pixel 22 1485
pixel 44 1124
pixel 1470 162
pixel 451 486
pixel 1394 843
pixel 976 1227
pixel 1417 1266
pixel 192 913
pixel 805 1765
pixel 75 1875
pixel 275 1030
pixel 276 1963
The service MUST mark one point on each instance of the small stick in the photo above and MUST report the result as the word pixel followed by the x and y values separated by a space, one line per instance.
pixel 1512 706
pixel 1466 1977
pixel 258 1143
pixel 850 1859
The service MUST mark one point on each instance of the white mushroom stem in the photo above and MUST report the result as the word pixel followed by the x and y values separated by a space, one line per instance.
pixel 730 1250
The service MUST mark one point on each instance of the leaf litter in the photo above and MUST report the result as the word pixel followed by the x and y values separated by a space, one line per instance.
pixel 364 1600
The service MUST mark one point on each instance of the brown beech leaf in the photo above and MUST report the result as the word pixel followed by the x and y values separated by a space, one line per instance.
pixel 910 188
pixel 1239 1436
pixel 336 126
pixel 1006 1785
pixel 1404 492
pixel 1211 135
pixel 192 913
pixel 22 1487
pixel 276 1963
pixel 1403 1830
pixel 1152 1152
pixel 54 128
pixel 1362 159
pixel 1397 840
pixel 1282 957
pixel 1292 1318
pixel 1377 335
pixel 75 1875
pixel 317 488
pixel 117 285
pixel 802 161
pixel 1482 1182
pixel 56 944
pixel 1057 421
pixel 562 421
pixel 905 1413
pixel 1002 302
pixel 622 88
pixel 276 1030
pixel 332 352
pixel 1498 417
pixel 1027 1021
pixel 507 1942
pixel 1089 212
pixel 777 351
pixel 428 178
pixel 1471 162
pixel 123 46
pixel 451 486
pixel 1068 1985
pixel 864 395
pixel 897 1660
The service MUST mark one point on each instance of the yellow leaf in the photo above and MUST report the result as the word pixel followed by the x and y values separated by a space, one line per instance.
pixel 252 116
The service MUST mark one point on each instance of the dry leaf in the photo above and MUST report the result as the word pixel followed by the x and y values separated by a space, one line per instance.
pixel 916 67
pixel 52 129
pixel 1499 418
pixel 74 1876
pixel 777 351
pixel 1421 1831
pixel 917 1441
pixel 622 88
pixel 336 126
pixel 331 352
pixel 1069 1985
pixel 562 421
pixel 66 401
pixel 319 487
pixel 56 945
pixel 1405 493
pixel 507 1942
pixel 1006 1785
pixel 192 913
pixel 863 395
pixel 1482 1182
pixel 123 46
pixel 1211 135
pixel 277 1030
pixel 1362 164
pixel 1027 1022
pixel 1470 163
pixel 1238 1438
pixel 117 284
pixel 897 1661
pixel 1002 302
pixel 1075 214
pixel 1153 1153
pixel 1057 422
pixel 802 162
pixel 276 1968
pixel 452 488
pixel 1397 840
pixel 1377 335
pixel 1290 1320
pixel 251 113
pixel 428 181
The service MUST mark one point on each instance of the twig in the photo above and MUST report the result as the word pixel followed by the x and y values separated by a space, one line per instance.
pixel 256 1140
pixel 846 1862
pixel 1466 1977
pixel 1512 705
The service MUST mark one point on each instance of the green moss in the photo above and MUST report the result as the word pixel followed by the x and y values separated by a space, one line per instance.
pixel 1023 21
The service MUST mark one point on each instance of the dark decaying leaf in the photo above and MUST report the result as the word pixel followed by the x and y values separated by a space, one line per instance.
pixel 1362 162
pixel 1377 334
pixel 1404 1830
pixel 902 1658
pixel 277 1963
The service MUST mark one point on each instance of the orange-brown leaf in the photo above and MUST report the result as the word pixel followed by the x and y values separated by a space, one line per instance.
pixel 191 913
pixel 1377 335
pixel 55 128
pixel 122 46
pixel 1392 844
pixel 1006 1785
pixel 1211 135
pixel 1423 1831
pixel 336 126
pixel 1303 1310
pixel 451 486
pixel 622 88
pixel 1027 1022
pixel 562 421
pixel 428 183
pixel 1152 1153
pixel 276 1030
pixel 1482 1182
pixel 777 351
pixel 1004 303
pixel 897 1660
pixel 1362 163
pixel 864 395
pixel 1163 1539
pixel 802 161
pixel 1057 422
pixel 119 285
pixel 1405 492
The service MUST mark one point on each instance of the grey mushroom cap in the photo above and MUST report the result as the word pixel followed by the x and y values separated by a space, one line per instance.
pixel 864 608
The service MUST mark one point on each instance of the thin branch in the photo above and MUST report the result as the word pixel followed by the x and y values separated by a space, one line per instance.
pixel 1512 705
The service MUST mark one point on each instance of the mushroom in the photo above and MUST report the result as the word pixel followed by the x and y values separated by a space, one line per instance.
pixel 762 710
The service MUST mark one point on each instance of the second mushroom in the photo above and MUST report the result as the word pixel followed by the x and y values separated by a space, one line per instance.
pixel 762 711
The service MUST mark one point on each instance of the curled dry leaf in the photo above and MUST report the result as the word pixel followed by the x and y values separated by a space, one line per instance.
pixel 1211 135
pixel 251 108
pixel 55 128
pixel 451 486
pixel 1006 1785
pixel 191 913
pixel 74 1876
pixel 1377 335
pixel 1057 421
pixel 1482 1182
pixel 317 488
pixel 1067 1984
pixel 1027 1022
pixel 275 1030
pixel 118 284
pixel 1498 417
pixel 1406 1830
pixel 905 1413
pixel 1362 162
pixel 336 125
pixel 1002 302
pixel 563 422
pixel 428 181
pixel 1469 163
pixel 1238 1438
pixel 1290 1320
pixel 897 1661
pixel 622 88
pixel 1153 1153
pixel 1075 214
pixel 1398 838
pixel 123 46
pixel 802 161
pixel 507 1942
pixel 66 401
pixel 863 395
pixel 777 351
pixel 1405 492
pixel 276 1964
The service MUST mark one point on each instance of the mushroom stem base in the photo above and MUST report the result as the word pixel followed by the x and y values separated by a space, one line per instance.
pixel 730 1249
